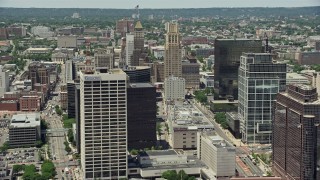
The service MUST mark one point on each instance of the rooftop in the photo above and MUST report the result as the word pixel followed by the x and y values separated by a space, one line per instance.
pixel 169 152
pixel 140 85
pixel 25 120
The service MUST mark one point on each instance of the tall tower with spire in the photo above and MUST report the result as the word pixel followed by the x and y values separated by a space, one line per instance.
pixel 172 59
pixel 138 43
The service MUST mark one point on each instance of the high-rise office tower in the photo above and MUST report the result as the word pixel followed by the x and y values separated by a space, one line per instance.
pixel 69 71
pixel 104 58
pixel 129 49
pixel 103 111
pixel 227 54
pixel 141 123
pixel 259 82
pixel 296 133
pixel 4 81
pixel 172 59
pixel 138 43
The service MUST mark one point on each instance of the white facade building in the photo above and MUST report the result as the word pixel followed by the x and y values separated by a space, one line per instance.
pixel 129 49
pixel 69 71
pixel 67 41
pixel 216 153
pixel 174 88
pixel 103 128
pixel 59 57
pixel 42 31
pixel 4 81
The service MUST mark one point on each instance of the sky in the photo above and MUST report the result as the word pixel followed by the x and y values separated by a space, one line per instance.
pixel 155 4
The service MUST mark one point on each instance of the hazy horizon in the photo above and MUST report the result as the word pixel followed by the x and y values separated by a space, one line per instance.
pixel 148 4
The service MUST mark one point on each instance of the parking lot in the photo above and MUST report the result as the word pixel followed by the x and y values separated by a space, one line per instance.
pixel 21 156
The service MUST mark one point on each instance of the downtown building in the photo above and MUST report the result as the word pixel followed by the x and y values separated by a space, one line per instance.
pixel 227 54
pixel 296 139
pixel 172 59
pixel 138 43
pixel 103 111
pixel 259 82
pixel 142 111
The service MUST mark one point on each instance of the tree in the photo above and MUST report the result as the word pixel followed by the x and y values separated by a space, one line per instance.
pixel 221 119
pixel 134 152
pixel 70 135
pixel 4 147
pixel 173 175
pixel 17 168
pixel 48 170
pixel 159 126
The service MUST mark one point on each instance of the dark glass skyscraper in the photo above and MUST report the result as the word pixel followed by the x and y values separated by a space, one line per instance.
pixel 296 133
pixel 142 113
pixel 227 54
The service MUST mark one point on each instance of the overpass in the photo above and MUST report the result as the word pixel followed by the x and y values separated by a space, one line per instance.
pixel 57 132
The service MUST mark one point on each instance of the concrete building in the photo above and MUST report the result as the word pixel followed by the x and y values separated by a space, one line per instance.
pixel 38 50
pixel 59 58
pixel 174 88
pixel 17 31
pixel 184 122
pixel 207 78
pixel 42 31
pixel 151 164
pixel 227 54
pixel 216 153
pixel 6 172
pixel 295 133
pixel 190 72
pixel 4 81
pixel 259 82
pixel 142 113
pixel 4 34
pixel 39 73
pixel 63 96
pixel 138 74
pixel 158 72
pixel 24 130
pixel 233 121
pixel 129 49
pixel 295 78
pixel 67 41
pixel 69 71
pixel 103 114
pixel 104 58
pixel 172 59
pixel 158 52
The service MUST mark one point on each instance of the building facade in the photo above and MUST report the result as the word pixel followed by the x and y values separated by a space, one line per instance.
pixel 104 58
pixel 141 123
pixel 138 74
pixel 259 82
pixel 103 128
pixel 138 43
pixel 172 59
pixel 191 74
pixel 129 49
pixel 227 54
pixel 216 153
pixel 4 81
pixel 174 88
pixel 24 130
pixel 296 133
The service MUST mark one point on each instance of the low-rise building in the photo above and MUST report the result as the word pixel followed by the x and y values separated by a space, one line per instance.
pixel 295 78
pixel 234 123
pixel 5 171
pixel 207 78
pixel 38 50
pixel 24 130
pixel 151 164
pixel 59 57
pixel 9 104
pixel 216 153
pixel 30 103
pixel 184 122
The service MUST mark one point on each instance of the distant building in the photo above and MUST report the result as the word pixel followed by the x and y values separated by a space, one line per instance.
pixel 59 58
pixel 194 40
pixel 104 58
pixel 190 72
pixel 227 54
pixel 38 50
pixel 259 82
pixel 63 96
pixel 42 31
pixel 138 74
pixel 174 88
pixel 4 83
pixel 124 26
pixel 308 58
pixel 17 31
pixel 69 71
pixel 158 72
pixel 158 52
pixel 39 73
pixel 172 59
pixel 207 78
pixel 129 49
pixel 138 43
pixel 216 153
pixel 141 124
pixel 24 130
pixel 4 33
pixel 67 42
pixel 295 133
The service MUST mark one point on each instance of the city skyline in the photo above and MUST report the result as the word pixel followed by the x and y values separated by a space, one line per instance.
pixel 167 4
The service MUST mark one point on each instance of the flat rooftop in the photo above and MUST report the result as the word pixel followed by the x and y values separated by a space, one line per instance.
pixel 159 153
pixel 140 85
pixel 25 120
